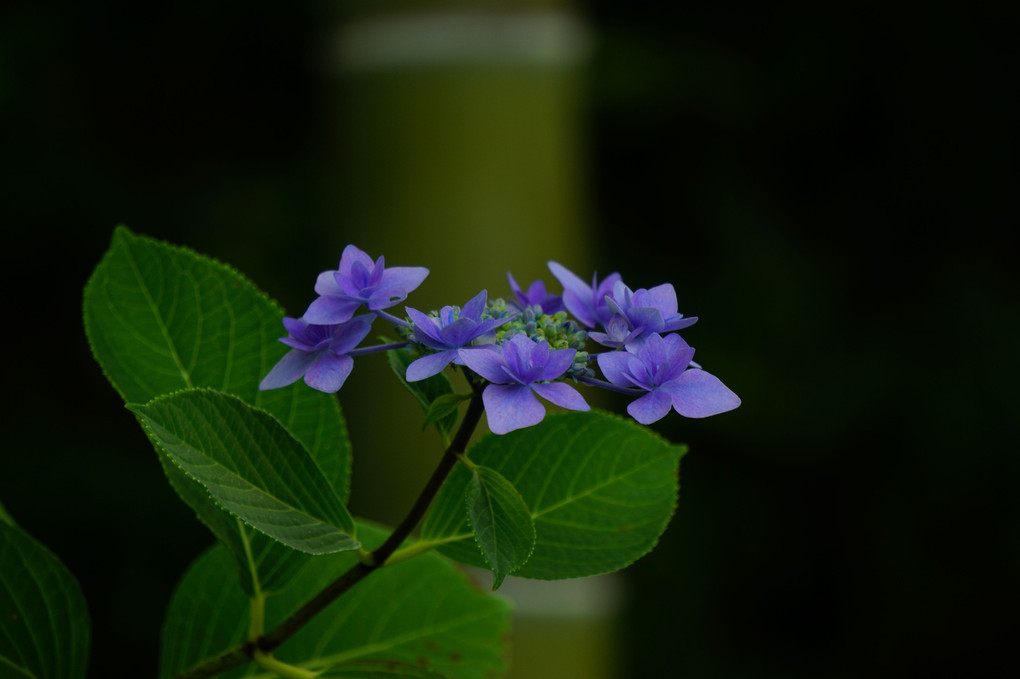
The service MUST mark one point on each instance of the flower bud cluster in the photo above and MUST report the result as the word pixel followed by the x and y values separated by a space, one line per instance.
pixel 519 349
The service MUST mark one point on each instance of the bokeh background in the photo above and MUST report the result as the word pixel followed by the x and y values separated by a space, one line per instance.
pixel 832 189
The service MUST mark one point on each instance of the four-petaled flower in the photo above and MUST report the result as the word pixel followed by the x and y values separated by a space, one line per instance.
pixel 319 354
pixel 447 334
pixel 537 295
pixel 645 312
pixel 661 367
pixel 518 370
pixel 586 303
pixel 360 281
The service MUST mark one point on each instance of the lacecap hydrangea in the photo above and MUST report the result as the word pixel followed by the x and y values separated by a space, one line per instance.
pixel 535 346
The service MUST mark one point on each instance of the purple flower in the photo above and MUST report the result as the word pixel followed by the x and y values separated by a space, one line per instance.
pixel 536 295
pixel 645 312
pixel 618 333
pixel 587 304
pixel 360 281
pixel 518 370
pixel 447 334
pixel 661 367
pixel 319 354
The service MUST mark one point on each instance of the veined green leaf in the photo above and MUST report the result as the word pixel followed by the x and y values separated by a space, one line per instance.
pixel 252 466
pixel 421 617
pixel 160 318
pixel 426 391
pixel 501 522
pixel 600 489
pixel 44 622
pixel 442 407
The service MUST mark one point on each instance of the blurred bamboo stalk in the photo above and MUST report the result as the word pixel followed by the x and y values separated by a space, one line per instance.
pixel 457 144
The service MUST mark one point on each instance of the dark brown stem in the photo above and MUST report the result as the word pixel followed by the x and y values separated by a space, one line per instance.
pixel 299 618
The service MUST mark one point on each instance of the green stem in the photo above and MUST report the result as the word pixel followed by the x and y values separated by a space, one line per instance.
pixel 264 644
pixel 267 662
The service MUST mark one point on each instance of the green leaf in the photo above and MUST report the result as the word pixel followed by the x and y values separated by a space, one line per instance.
pixel 424 391
pixel 383 669
pixel 5 517
pixel 252 466
pixel 501 522
pixel 44 622
pixel 421 615
pixel 443 406
pixel 161 318
pixel 601 491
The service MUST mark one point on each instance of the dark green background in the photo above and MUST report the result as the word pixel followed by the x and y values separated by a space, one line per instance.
pixel 832 189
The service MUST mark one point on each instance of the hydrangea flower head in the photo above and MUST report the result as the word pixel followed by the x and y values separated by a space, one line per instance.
pixel 357 281
pixel 537 295
pixel 517 370
pixel 319 353
pixel 586 303
pixel 661 367
pixel 446 333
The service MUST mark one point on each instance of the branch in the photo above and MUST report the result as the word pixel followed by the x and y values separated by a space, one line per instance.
pixel 286 629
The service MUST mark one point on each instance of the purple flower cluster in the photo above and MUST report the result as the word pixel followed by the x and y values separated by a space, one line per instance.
pixel 516 351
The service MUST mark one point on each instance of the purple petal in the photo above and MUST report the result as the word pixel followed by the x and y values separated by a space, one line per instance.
pixel 615 309
pixel 678 322
pixel 474 307
pixel 288 370
pixel 617 367
pixel 663 298
pixel 375 277
pixel 621 294
pixel 429 365
pixel 646 317
pixel 406 278
pixel 348 285
pixel 295 327
pixel 330 310
pixel 679 359
pixel 298 344
pixel 537 292
pixel 351 333
pixel 510 407
pixel 697 393
pixel 329 373
pixel 653 351
pixel 539 354
pixel 486 361
pixel 558 362
pixel 489 324
pixel 326 284
pixel 577 295
pixel 651 407
pixel 516 352
pixel 602 313
pixel 459 333
pixel 358 277
pixel 384 297
pixel 562 395
pixel 514 288
pixel 350 255
pixel 424 328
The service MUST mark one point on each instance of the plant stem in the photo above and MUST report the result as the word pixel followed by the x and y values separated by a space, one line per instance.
pixel 300 617
pixel 267 662
pixel 264 644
